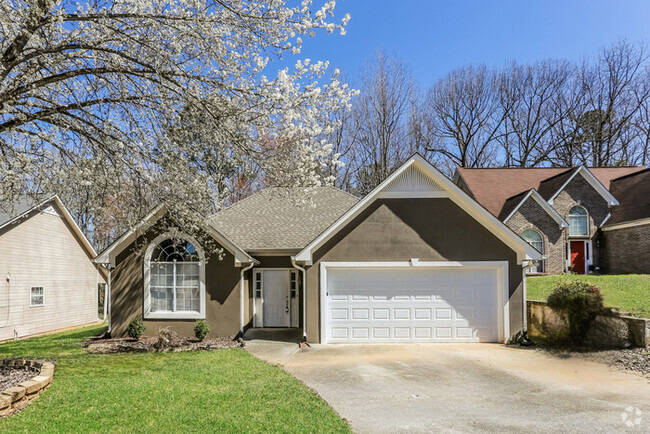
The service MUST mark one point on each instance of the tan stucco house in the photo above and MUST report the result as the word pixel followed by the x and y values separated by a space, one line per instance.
pixel 582 220
pixel 416 260
pixel 47 278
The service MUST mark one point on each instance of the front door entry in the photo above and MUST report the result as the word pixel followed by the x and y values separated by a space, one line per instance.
pixel 276 298
pixel 578 256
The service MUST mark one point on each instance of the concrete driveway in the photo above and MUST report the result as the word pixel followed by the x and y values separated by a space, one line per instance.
pixel 464 387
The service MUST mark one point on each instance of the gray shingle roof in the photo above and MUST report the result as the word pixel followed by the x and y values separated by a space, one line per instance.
pixel 9 211
pixel 282 217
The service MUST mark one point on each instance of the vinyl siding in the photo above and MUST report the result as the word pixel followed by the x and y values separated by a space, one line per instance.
pixel 41 250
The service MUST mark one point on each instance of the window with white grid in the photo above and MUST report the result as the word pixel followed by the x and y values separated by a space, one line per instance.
pixel 174 278
pixel 36 296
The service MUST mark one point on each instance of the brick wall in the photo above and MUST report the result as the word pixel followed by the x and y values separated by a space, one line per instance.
pixel 532 216
pixel 627 250
pixel 580 192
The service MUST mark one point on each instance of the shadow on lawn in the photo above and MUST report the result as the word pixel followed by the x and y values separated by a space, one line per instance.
pixel 50 346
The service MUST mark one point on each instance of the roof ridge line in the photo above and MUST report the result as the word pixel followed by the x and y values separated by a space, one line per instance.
pixel 561 173
pixel 632 174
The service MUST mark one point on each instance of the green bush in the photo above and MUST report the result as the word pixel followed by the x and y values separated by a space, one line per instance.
pixel 135 329
pixel 201 329
pixel 580 303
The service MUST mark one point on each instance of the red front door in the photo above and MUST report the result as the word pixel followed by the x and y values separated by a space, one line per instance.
pixel 578 256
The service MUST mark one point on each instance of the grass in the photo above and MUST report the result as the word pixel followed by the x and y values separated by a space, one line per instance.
pixel 628 292
pixel 224 390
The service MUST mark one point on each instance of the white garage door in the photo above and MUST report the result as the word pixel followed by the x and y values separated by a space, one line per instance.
pixel 374 305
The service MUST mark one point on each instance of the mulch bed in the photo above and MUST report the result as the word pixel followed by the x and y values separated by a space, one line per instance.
pixel 11 376
pixel 148 345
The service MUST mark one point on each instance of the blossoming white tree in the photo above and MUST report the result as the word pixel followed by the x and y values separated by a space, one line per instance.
pixel 90 90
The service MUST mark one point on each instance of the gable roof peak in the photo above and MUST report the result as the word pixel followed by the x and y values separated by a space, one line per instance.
pixel 448 190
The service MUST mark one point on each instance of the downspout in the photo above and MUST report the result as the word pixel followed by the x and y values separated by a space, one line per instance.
pixel 241 298
pixel 107 302
pixel 105 299
pixel 304 298
pixel 525 310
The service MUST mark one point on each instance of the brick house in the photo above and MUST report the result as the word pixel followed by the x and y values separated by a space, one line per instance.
pixel 581 219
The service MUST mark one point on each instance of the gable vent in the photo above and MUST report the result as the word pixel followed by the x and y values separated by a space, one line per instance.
pixel 413 180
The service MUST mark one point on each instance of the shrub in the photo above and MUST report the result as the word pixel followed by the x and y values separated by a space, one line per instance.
pixel 580 303
pixel 135 329
pixel 167 338
pixel 201 329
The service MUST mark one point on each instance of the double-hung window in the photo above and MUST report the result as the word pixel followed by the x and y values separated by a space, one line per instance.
pixel 36 296
pixel 578 222
pixel 175 287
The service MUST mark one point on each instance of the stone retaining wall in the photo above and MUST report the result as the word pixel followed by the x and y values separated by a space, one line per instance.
pixel 607 331
pixel 17 397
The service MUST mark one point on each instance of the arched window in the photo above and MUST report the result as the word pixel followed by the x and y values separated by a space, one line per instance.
pixel 174 278
pixel 535 239
pixel 578 222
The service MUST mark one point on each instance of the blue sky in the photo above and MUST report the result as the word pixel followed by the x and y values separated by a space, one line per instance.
pixel 435 37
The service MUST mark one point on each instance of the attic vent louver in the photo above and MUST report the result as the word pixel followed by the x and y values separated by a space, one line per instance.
pixel 413 180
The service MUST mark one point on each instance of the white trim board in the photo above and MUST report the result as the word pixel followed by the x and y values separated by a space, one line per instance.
pixel 108 255
pixel 540 200
pixel 629 224
pixel 146 297
pixel 593 181
pixel 451 190
pixel 503 296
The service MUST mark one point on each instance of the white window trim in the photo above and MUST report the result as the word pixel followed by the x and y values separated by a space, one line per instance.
pixel 30 296
pixel 503 295
pixel 586 216
pixel 147 314
pixel 543 252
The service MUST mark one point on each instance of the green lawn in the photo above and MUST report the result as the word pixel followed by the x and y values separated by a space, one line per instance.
pixel 628 292
pixel 224 390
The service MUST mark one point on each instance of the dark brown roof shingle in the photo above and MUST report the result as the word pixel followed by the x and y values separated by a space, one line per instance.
pixel 633 195
pixel 496 189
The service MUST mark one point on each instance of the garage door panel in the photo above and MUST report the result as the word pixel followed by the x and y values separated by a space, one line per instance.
pixel 412 305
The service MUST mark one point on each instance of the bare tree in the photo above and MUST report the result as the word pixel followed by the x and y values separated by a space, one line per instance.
pixel 532 100
pixel 464 116
pixel 380 118
pixel 642 126
pixel 614 96
pixel 343 140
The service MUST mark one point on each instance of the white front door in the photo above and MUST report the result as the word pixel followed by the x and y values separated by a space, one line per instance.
pixel 276 298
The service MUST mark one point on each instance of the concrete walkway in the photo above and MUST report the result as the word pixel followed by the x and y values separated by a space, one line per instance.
pixel 464 387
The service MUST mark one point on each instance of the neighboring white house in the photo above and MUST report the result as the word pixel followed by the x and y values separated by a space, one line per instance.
pixel 47 278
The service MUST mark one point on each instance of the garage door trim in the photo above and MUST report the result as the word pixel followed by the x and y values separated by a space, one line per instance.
pixel 503 295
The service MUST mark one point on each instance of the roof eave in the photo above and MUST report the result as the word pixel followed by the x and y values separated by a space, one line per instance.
pixel 456 194
pixel 545 205
pixel 108 255
pixel 593 181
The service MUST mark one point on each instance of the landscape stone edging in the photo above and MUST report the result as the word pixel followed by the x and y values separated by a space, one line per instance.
pixel 17 397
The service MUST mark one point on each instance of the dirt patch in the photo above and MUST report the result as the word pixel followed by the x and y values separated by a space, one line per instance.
pixel 11 376
pixel 629 359
pixel 148 345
